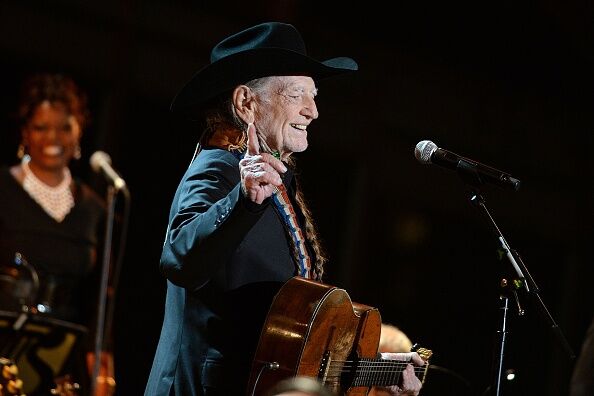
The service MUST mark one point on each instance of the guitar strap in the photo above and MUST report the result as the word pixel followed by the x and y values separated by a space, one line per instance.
pixel 282 204
pixel 233 141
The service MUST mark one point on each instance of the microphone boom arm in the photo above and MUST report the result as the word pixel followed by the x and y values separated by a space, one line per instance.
pixel 524 275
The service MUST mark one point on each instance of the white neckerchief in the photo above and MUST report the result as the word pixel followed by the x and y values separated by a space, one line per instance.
pixel 56 201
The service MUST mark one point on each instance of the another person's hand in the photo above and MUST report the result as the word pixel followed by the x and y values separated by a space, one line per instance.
pixel 410 384
pixel 260 173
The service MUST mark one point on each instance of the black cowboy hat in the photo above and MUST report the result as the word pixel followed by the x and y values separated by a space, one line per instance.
pixel 268 49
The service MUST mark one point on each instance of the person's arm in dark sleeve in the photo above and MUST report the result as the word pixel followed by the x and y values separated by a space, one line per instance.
pixel 209 220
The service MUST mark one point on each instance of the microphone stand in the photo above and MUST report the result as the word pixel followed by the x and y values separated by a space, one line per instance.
pixel 105 313
pixel 103 284
pixel 525 280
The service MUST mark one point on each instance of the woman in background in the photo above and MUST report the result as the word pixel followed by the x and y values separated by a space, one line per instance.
pixel 54 221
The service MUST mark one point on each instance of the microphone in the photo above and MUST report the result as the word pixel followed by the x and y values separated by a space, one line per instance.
pixel 101 163
pixel 427 152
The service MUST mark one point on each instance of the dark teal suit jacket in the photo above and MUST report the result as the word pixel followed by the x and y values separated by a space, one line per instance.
pixel 224 258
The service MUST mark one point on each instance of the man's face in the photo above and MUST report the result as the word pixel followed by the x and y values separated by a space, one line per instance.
pixel 286 107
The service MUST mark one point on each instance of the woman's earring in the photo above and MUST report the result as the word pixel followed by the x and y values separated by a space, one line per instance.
pixel 21 151
pixel 77 153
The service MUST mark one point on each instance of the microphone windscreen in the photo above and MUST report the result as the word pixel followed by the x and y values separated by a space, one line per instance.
pixel 423 151
pixel 98 158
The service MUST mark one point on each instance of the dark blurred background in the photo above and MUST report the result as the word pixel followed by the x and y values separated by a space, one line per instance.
pixel 508 83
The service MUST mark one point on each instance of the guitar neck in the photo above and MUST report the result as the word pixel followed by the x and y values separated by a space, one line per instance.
pixel 382 372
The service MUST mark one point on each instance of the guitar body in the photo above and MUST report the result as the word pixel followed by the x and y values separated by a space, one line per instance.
pixel 311 330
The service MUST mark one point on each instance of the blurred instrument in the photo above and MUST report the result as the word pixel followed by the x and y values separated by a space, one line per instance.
pixel 65 387
pixel 30 336
pixel 19 285
pixel 10 384
pixel 40 347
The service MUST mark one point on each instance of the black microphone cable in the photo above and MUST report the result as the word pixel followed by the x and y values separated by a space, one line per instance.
pixel 268 366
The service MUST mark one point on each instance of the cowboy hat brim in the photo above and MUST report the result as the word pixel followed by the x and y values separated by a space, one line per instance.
pixel 225 74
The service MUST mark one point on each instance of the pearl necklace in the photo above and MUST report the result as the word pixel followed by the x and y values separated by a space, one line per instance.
pixel 56 201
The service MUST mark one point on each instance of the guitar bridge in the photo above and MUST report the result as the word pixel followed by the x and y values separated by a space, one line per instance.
pixel 333 374
pixel 324 365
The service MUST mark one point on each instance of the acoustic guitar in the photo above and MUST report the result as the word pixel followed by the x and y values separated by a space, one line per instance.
pixel 315 330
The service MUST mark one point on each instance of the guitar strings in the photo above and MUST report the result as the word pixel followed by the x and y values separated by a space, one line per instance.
pixel 339 372
pixel 336 366
pixel 335 371
pixel 377 371
pixel 355 363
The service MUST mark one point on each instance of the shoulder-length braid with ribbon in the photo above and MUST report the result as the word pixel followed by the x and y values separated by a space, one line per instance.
pixel 226 130
pixel 311 233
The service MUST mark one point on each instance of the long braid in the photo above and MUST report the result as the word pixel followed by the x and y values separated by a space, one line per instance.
pixel 311 232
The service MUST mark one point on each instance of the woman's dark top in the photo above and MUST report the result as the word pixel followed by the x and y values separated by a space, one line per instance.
pixel 63 254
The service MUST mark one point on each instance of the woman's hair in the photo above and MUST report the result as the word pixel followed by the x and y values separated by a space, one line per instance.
pixel 55 88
